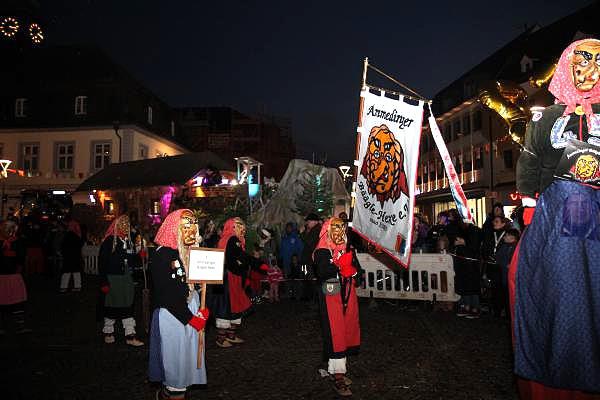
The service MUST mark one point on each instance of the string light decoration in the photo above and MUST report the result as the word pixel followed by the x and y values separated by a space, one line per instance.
pixel 9 27
pixel 35 33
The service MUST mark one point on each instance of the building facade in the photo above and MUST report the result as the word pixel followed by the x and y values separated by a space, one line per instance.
pixel 477 138
pixel 68 112
pixel 231 134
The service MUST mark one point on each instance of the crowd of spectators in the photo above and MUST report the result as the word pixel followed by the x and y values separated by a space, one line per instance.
pixel 481 255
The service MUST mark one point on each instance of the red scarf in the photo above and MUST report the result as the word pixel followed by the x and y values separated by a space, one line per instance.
pixel 228 232
pixel 168 232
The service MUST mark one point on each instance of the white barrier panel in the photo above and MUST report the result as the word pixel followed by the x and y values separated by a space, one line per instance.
pixel 426 276
pixel 90 259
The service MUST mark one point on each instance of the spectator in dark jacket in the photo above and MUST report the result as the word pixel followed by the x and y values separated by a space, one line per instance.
pixel 72 261
pixel 290 244
pixel 467 279
pixel 492 240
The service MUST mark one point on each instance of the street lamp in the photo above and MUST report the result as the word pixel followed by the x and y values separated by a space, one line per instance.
pixel 116 125
pixel 3 175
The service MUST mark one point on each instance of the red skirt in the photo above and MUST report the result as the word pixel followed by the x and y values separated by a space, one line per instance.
pixel 12 289
pixel 342 327
pixel 238 300
pixel 255 281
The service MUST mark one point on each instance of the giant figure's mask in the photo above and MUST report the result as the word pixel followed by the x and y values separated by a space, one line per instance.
pixel 575 81
pixel 585 64
pixel 383 165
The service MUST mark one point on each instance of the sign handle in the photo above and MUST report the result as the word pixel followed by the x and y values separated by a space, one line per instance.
pixel 201 333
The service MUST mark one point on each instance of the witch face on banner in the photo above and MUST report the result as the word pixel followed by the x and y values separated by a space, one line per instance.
pixel 383 166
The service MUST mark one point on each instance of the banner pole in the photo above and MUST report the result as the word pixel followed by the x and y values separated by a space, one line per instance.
pixel 363 86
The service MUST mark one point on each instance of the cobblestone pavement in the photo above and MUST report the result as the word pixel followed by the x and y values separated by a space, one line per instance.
pixel 405 355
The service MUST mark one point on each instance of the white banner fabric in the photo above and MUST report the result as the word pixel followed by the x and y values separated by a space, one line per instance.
pixel 387 171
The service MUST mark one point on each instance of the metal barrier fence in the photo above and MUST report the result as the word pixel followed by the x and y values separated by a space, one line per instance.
pixel 429 277
pixel 90 259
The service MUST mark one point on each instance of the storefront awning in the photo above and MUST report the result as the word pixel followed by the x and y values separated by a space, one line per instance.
pixel 162 171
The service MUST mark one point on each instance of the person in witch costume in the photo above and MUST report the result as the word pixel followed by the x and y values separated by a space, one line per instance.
pixel 115 260
pixel 336 273
pixel 177 318
pixel 554 278
pixel 229 301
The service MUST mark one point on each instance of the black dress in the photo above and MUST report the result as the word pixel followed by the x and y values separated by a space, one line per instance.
pixel 71 252
pixel 169 287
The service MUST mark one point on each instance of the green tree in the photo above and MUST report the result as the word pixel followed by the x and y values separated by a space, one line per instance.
pixel 315 194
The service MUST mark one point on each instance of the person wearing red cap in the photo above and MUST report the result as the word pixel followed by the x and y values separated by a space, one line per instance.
pixel 336 273
pixel 554 279
pixel 177 318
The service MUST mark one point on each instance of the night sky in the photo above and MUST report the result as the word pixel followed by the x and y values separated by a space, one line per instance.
pixel 301 59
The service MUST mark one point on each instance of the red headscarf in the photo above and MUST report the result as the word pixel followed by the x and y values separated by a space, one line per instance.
pixel 563 88
pixel 168 232
pixel 229 231
pixel 325 242
pixel 74 227
pixel 112 229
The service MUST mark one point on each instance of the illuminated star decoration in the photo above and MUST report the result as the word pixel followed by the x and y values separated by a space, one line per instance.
pixel 9 27
pixel 35 33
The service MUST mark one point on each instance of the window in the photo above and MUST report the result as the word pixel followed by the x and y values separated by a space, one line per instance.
pixel 81 105
pixel 109 207
pixel 1 150
pixel 172 128
pixel 64 154
pixel 457 164
pixel 477 121
pixel 447 132
pixel 456 128
pixel 508 159
pixel 20 108
pixel 101 155
pixel 467 156
pixel 150 115
pixel 142 152
pixel 432 172
pixel 30 157
pixel 478 163
pixel 466 124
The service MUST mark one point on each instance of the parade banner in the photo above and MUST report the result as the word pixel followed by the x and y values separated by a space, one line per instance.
pixel 455 188
pixel 390 132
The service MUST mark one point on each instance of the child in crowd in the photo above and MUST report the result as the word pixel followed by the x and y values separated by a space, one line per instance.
pixel 504 255
pixel 274 276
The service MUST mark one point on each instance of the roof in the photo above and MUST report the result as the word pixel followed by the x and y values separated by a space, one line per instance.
pixel 541 44
pixel 160 171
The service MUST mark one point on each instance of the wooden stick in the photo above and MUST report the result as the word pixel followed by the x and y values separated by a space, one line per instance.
pixel 201 333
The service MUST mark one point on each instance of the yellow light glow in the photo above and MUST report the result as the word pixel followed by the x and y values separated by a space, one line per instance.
pixel 35 32
pixel 9 27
